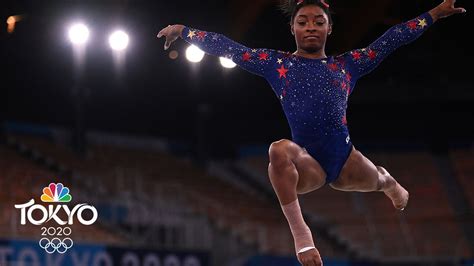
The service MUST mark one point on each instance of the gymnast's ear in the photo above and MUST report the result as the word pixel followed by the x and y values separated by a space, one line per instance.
pixel 330 29
pixel 292 29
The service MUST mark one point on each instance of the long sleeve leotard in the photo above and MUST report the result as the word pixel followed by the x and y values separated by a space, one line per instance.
pixel 314 92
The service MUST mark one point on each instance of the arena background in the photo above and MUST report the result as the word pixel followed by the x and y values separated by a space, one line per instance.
pixel 173 155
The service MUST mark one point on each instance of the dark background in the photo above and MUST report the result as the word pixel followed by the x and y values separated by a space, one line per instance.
pixel 421 94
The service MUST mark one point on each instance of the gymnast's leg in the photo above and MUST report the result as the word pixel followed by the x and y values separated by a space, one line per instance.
pixel 293 171
pixel 360 174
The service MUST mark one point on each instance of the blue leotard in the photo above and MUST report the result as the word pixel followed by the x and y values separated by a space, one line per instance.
pixel 313 92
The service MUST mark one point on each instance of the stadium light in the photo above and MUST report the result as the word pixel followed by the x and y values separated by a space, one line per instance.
pixel 194 54
pixel 78 34
pixel 118 40
pixel 227 63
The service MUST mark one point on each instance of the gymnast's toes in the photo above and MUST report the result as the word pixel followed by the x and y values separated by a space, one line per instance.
pixel 401 201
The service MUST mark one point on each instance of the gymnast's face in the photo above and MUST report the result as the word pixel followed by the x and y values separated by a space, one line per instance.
pixel 311 28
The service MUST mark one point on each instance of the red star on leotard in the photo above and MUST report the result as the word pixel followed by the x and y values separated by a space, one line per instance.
pixel 333 66
pixel 356 55
pixel 372 54
pixel 344 120
pixel 246 56
pixel 263 56
pixel 412 25
pixel 282 70
pixel 201 35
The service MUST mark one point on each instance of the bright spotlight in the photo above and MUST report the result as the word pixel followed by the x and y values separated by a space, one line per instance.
pixel 118 40
pixel 227 63
pixel 194 54
pixel 78 34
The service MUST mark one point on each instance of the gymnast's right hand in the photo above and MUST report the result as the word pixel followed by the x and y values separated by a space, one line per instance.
pixel 310 258
pixel 172 32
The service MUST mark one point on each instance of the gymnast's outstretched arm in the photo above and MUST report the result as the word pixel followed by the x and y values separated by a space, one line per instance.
pixel 256 61
pixel 362 61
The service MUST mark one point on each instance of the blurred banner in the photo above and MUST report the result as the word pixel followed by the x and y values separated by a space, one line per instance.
pixel 29 253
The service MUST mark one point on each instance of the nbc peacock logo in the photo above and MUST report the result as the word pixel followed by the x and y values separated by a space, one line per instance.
pixel 56 193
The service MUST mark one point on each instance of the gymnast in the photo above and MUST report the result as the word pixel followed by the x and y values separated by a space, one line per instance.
pixel 313 90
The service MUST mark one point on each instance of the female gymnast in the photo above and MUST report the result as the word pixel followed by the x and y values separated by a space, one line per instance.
pixel 313 90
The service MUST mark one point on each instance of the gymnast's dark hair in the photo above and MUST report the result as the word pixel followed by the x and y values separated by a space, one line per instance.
pixel 291 7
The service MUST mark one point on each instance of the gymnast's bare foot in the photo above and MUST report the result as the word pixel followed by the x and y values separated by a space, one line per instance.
pixel 399 196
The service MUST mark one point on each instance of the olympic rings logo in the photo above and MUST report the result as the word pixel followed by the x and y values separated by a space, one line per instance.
pixel 56 244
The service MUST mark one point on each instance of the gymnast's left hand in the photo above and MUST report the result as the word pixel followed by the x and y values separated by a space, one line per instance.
pixel 310 258
pixel 446 9
pixel 172 32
